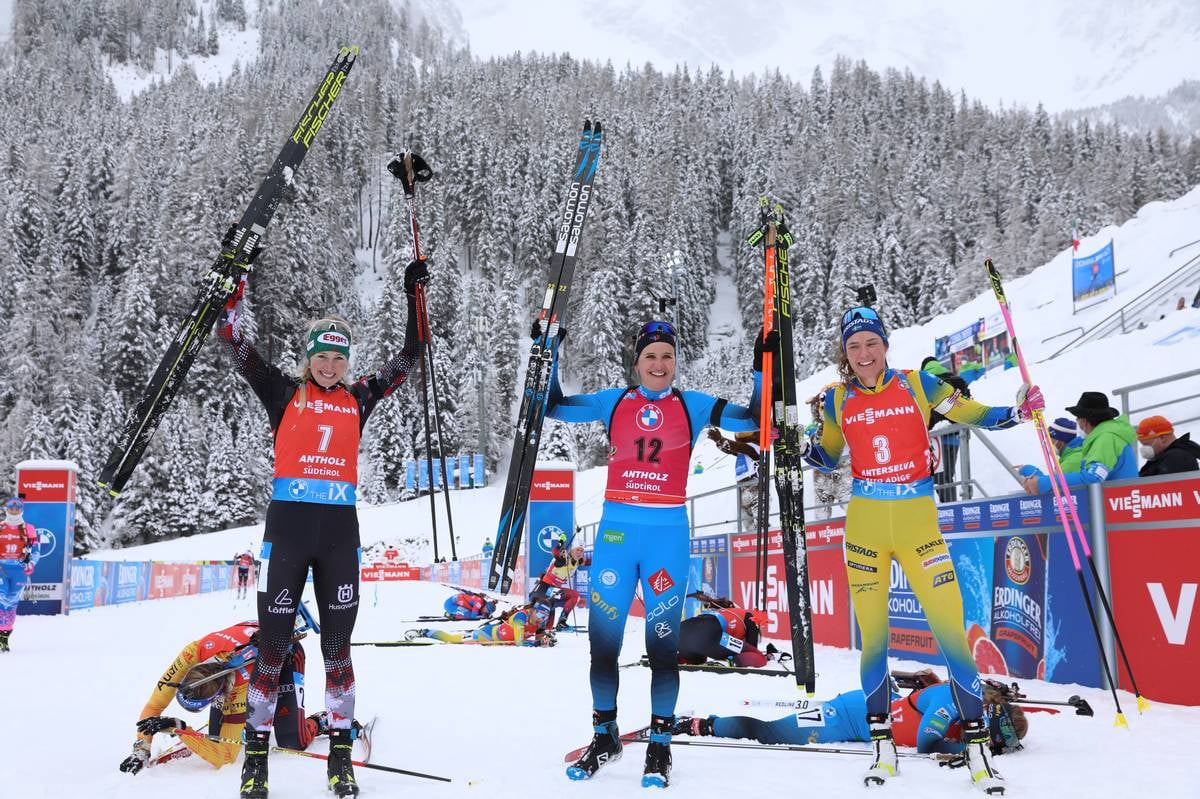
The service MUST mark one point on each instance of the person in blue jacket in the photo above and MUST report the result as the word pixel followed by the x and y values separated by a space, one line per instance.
pixel 927 719
pixel 643 533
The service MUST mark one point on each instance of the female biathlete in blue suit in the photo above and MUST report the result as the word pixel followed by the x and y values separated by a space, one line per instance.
pixel 643 534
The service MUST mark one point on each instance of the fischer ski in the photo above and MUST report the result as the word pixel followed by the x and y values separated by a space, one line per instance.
pixel 552 320
pixel 239 248
pixel 713 667
pixel 789 480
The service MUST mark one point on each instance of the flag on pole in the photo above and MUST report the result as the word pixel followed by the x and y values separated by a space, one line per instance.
pixel 1075 237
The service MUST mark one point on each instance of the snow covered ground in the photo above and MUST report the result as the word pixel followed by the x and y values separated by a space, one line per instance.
pixel 90 673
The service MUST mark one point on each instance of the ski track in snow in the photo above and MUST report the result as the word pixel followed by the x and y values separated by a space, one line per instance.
pixel 94 669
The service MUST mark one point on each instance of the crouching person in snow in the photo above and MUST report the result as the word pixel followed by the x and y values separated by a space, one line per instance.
pixel 229 653
pixel 468 606
pixel 643 533
pixel 722 631
pixel 19 553
pixel 927 720
pixel 525 625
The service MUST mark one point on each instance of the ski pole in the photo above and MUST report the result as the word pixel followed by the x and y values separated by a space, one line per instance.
pixel 361 764
pixel 1062 498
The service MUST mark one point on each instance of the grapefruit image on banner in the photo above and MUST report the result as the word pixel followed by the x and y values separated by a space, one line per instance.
pixel 988 658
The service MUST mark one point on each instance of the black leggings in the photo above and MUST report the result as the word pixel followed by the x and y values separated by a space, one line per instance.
pixel 700 639
pixel 299 535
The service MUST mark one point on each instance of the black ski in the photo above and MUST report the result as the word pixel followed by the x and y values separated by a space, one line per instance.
pixel 238 251
pixel 789 480
pixel 552 318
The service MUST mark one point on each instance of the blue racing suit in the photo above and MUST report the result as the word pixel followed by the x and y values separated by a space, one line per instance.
pixel 643 536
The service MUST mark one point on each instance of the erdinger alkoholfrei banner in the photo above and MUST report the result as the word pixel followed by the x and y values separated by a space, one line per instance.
pixel 1093 278
pixel 48 488
pixel 1021 602
pixel 551 515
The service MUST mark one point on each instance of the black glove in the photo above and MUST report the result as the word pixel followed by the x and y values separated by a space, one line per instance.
pixel 137 760
pixel 415 274
pixel 760 346
pixel 153 724
pixel 535 331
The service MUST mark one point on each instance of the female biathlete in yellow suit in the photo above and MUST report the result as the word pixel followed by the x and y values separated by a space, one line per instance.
pixel 881 414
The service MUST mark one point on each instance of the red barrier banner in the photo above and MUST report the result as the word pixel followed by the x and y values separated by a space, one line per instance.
pixel 164 580
pixel 46 485
pixel 552 485
pixel 828 589
pixel 1167 501
pixel 189 578
pixel 387 572
pixel 472 574
pixel 1155 577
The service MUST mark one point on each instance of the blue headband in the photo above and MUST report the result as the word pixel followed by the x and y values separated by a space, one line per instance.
pixel 857 320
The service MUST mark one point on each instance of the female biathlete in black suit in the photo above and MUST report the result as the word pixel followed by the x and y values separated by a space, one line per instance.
pixel 317 418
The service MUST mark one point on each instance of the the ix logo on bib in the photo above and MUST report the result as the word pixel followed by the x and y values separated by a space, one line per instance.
pixel 649 417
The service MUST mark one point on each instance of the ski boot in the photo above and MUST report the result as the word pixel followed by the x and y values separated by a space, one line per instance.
pixel 883 767
pixel 341 770
pixel 687 725
pixel 254 769
pixel 412 635
pixel 605 748
pixel 657 772
pixel 979 759
pixel 4 640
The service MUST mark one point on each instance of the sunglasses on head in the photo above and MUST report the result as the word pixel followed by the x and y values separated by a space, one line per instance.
pixel 651 328
pixel 14 506
pixel 862 312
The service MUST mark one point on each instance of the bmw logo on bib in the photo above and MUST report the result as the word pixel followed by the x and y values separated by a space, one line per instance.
pixel 649 417
pixel 298 488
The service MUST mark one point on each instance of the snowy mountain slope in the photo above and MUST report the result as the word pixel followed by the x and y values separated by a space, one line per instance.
pixel 236 47
pixel 1068 55
pixel 437 715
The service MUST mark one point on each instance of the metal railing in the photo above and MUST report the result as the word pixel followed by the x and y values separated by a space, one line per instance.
pixel 1130 312
pixel 1125 391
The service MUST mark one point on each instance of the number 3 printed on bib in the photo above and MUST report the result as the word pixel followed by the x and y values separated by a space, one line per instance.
pixel 883 452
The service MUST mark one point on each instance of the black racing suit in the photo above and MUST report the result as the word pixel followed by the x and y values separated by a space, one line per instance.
pixel 303 534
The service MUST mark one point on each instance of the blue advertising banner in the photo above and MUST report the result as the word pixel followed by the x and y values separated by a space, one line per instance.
pixel 46 591
pixel 423 474
pixel 708 570
pixel 1021 599
pixel 479 478
pixel 130 582
pixel 464 471
pixel 410 476
pixel 1093 277
pixel 547 520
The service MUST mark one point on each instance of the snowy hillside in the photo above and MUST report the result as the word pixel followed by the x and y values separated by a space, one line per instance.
pixel 1068 55
pixel 436 714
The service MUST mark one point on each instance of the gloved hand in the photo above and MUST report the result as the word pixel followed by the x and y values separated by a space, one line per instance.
pixel 535 331
pixel 771 342
pixel 153 724
pixel 772 651
pixel 137 759
pixel 415 274
pixel 27 567
pixel 722 443
pixel 232 311
pixel 1029 399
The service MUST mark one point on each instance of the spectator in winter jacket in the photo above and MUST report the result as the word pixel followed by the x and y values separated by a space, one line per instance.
pixel 1107 451
pixel 950 442
pixel 1064 436
pixel 1163 451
